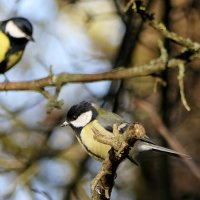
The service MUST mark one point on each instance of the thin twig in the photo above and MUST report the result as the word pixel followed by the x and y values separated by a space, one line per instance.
pixel 159 26
pixel 181 75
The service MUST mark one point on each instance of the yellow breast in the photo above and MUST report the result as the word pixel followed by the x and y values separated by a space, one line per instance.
pixel 96 149
pixel 4 46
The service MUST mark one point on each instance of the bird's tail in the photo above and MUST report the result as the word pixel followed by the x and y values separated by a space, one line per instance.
pixel 141 146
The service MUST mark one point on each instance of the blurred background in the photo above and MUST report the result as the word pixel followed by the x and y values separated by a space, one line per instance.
pixel 38 159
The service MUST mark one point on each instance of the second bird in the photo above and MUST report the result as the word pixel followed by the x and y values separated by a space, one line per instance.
pixel 15 33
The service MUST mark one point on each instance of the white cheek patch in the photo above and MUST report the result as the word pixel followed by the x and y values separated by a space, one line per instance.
pixel 82 120
pixel 14 31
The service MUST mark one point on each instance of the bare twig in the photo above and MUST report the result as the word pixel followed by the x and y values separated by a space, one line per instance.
pixel 181 75
pixel 149 17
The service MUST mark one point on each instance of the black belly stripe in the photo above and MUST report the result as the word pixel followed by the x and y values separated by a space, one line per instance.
pixel 88 151
pixel 3 66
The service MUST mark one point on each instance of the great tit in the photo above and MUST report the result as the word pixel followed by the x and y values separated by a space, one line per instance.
pixel 83 116
pixel 14 36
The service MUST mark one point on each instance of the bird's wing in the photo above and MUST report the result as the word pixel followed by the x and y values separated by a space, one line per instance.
pixel 107 119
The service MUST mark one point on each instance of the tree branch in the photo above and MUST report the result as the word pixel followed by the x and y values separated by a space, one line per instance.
pixel 149 17
pixel 63 78
pixel 121 143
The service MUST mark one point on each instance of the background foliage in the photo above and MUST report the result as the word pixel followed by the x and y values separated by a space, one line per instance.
pixel 40 160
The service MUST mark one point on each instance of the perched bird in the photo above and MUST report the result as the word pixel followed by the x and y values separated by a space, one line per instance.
pixel 84 116
pixel 14 36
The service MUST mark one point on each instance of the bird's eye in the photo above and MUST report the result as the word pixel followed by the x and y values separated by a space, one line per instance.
pixel 74 117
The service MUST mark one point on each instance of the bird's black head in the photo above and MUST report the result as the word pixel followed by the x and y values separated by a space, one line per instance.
pixel 80 115
pixel 18 28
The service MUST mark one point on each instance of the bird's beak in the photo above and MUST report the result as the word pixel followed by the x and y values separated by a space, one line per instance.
pixel 65 123
pixel 30 38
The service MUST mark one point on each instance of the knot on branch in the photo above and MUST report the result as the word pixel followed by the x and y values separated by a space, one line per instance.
pixel 134 132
